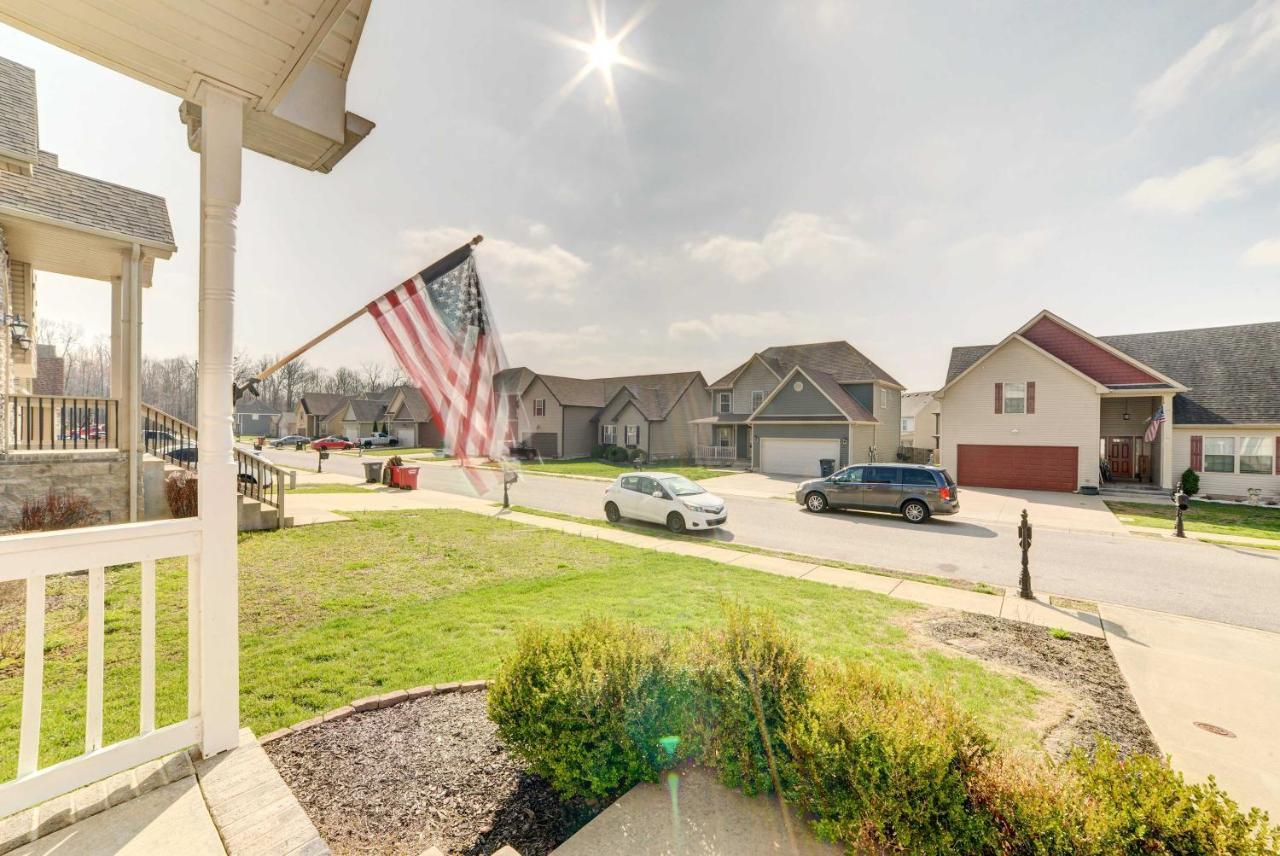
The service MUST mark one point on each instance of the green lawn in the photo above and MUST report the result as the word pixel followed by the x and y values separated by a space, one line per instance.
pixel 328 488
pixel 593 467
pixel 388 451
pixel 1255 521
pixel 394 600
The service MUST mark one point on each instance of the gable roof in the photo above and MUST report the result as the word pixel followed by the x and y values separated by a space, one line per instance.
pixel 320 403
pixel 842 361
pixel 414 408
pixel 575 392
pixel 828 386
pixel 255 406
pixel 914 402
pixel 654 394
pixel 366 409
pixel 513 380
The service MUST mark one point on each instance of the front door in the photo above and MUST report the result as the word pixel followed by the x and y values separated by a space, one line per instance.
pixel 1120 457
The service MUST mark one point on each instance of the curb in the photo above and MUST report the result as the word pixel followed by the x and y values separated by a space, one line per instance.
pixel 378 702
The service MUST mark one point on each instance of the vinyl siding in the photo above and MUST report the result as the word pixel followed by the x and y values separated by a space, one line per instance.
pixel 676 436
pixel 22 301
pixel 922 436
pixel 863 449
pixel 1067 409
pixel 824 432
pixel 863 393
pixel 757 376
pixel 889 431
pixel 549 423
pixel 1113 421
pixel 579 432
pixel 631 415
pixel 807 401
pixel 1235 484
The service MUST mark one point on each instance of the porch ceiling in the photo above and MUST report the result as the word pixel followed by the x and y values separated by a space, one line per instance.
pixel 58 249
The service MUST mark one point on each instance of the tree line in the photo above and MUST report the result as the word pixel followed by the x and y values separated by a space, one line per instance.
pixel 169 383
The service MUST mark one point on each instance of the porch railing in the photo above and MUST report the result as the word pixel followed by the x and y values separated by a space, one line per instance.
pixel 62 422
pixel 33 558
pixel 258 478
pixel 717 454
pixel 168 437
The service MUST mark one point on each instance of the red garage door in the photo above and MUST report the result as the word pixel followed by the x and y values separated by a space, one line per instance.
pixel 1028 467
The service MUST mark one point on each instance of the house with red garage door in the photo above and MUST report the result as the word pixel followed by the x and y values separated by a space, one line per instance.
pixel 1054 407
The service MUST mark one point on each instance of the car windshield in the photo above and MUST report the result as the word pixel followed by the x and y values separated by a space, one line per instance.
pixel 681 486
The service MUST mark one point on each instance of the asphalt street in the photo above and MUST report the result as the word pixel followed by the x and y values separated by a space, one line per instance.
pixel 1183 577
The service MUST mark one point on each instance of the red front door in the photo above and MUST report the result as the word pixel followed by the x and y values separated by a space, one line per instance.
pixel 1120 457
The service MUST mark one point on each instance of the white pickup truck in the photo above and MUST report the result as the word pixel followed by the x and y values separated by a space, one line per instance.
pixel 378 438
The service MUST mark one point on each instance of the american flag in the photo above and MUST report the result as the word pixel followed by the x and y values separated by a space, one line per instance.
pixel 439 325
pixel 1153 424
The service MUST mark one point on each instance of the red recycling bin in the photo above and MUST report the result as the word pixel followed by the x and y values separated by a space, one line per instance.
pixel 405 478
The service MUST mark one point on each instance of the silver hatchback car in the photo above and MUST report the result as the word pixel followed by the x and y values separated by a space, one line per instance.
pixel 912 490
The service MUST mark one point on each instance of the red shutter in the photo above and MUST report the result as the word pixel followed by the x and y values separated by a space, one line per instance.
pixel 1197 452
pixel 999 398
pixel 1277 457
pixel 1031 396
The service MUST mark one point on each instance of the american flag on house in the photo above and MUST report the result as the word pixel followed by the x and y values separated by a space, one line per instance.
pixel 441 329
pixel 1153 424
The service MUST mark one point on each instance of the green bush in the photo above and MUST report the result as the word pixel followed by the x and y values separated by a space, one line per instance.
pixel 1191 482
pixel 589 707
pixel 617 454
pixel 882 767
pixel 598 451
pixel 750 675
pixel 639 456
pixel 1035 808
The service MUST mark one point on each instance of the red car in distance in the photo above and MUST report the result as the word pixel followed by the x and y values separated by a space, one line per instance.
pixel 326 443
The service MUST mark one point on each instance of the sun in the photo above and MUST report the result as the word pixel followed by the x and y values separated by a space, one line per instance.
pixel 603 53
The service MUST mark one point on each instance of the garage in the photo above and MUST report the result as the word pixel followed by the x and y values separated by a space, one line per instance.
pixel 407 436
pixel 796 457
pixel 1018 467
pixel 546 444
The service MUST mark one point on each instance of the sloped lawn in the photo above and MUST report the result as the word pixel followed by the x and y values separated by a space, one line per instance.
pixel 1211 518
pixel 394 600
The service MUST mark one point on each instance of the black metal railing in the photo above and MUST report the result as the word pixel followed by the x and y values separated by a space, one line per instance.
pixel 168 437
pixel 62 422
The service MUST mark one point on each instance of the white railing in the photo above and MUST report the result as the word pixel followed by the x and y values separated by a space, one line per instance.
pixel 34 558
pixel 717 454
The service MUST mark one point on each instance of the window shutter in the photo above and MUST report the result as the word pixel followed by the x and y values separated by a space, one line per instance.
pixel 1276 459
pixel 1031 396
pixel 999 398
pixel 1197 452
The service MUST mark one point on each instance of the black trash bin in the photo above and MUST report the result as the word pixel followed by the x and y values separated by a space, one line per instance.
pixel 373 471
pixel 827 466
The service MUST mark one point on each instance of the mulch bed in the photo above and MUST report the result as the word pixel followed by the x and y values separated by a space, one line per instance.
pixel 431 771
pixel 1084 666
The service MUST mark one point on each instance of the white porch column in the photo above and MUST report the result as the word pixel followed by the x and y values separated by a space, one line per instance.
pixel 1168 478
pixel 116 389
pixel 126 364
pixel 221 136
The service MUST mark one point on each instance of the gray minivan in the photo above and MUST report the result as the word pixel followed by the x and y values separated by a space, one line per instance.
pixel 913 490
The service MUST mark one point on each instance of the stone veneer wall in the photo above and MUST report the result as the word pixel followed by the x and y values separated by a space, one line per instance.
pixel 102 476
pixel 4 344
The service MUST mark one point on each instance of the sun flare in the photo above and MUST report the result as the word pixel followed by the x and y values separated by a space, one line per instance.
pixel 603 53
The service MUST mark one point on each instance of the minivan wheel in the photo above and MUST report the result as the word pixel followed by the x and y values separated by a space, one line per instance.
pixel 611 512
pixel 915 511
pixel 815 502
pixel 675 522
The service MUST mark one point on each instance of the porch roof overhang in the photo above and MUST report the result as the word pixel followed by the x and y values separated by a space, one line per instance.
pixel 288 61
pixel 809 420
pixel 723 419
pixel 62 248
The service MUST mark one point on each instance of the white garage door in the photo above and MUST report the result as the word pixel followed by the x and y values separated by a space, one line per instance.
pixel 406 436
pixel 796 457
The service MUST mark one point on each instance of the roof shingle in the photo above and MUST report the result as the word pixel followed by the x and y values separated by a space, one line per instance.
pixel 19 134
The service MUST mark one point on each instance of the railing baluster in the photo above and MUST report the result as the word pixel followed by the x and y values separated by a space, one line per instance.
pixel 32 678
pixel 147 711
pixel 93 694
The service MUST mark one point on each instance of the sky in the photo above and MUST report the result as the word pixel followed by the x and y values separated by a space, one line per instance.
pixel 907 177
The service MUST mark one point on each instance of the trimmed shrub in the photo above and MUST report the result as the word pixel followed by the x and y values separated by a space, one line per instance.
pixel 598 451
pixel 751 675
pixel 639 456
pixel 181 493
pixel 618 455
pixel 56 511
pixel 881 767
pixel 592 708
pixel 1037 809
pixel 1191 481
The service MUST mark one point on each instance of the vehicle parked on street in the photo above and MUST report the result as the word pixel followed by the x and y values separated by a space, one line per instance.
pixel 325 444
pixel 664 498
pixel 915 491
pixel 378 438
pixel 290 440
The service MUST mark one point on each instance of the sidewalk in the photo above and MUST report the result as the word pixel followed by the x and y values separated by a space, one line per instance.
pixel 1181 670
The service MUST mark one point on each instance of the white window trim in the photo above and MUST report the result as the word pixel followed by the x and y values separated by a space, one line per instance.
pixel 627 432
pixel 908 424
pixel 884 398
pixel 1235 454
pixel 609 434
pixel 1004 398
pixel 757 399
pixel 1268 446
pixel 539 407
pixel 724 402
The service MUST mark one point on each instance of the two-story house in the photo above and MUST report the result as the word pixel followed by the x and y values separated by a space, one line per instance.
pixel 787 408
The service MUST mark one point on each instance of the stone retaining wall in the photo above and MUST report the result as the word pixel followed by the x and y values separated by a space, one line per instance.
pixel 102 476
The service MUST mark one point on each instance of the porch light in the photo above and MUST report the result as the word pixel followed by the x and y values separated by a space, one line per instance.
pixel 1126 410
pixel 18 330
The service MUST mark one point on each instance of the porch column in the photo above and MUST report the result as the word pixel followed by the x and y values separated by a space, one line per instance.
pixel 221 136
pixel 1167 476
pixel 116 388
pixel 126 364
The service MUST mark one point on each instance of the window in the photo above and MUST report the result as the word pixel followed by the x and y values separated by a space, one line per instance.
pixel 757 399
pixel 724 402
pixel 631 435
pixel 723 438
pixel 884 399
pixel 1219 454
pixel 1256 455
pixel 648 486
pixel 908 424
pixel 883 475
pixel 921 478
pixel 631 483
pixel 539 407
pixel 852 475
pixel 609 435
pixel 1015 397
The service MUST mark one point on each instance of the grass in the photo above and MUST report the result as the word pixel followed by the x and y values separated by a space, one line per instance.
pixel 658 531
pixel 606 469
pixel 1059 633
pixel 1213 518
pixel 397 599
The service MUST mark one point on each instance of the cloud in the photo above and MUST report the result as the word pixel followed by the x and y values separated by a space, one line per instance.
pixel 546 343
pixel 795 238
pixel 1212 180
pixel 742 325
pixel 1263 254
pixel 1005 249
pixel 547 272
pixel 1224 51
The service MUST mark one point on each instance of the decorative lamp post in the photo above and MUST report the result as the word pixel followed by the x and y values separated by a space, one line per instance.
pixel 1024 540
pixel 509 477
pixel 1180 504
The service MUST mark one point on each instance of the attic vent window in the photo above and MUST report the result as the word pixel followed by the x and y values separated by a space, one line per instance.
pixel 798 386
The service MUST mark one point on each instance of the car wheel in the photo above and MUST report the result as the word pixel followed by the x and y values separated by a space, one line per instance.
pixel 611 512
pixel 815 502
pixel 675 522
pixel 368 444
pixel 915 511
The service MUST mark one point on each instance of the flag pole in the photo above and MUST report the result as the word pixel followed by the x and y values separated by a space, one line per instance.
pixel 297 352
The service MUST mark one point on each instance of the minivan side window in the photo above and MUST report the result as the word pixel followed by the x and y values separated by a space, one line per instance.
pixel 882 475
pixel 923 478
pixel 853 475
